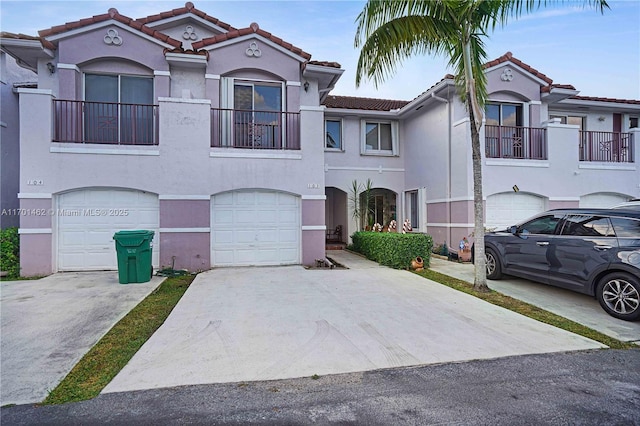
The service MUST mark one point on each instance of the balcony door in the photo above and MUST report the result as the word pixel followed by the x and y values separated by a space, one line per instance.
pixel 504 132
pixel 252 115
pixel 118 109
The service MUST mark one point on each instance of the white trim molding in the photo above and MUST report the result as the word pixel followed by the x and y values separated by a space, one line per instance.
pixel 225 153
pixel 106 151
pixel 451 225
pixel 73 67
pixel 564 198
pixel 212 76
pixel 364 169
pixel 517 163
pixel 185 101
pixel 312 108
pixel 449 200
pixel 294 83
pixel 314 197
pixel 34 195
pixel 162 73
pixel 23 231
pixel 607 166
pixel 314 227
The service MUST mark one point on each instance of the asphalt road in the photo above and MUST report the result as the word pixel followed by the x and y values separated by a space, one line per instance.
pixel 587 388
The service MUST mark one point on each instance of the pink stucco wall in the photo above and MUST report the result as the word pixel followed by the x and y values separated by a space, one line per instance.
pixel 35 254
pixel 186 250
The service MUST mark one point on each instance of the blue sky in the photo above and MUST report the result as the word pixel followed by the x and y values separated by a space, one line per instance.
pixel 598 54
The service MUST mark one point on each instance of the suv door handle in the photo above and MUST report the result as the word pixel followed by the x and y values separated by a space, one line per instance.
pixel 543 243
pixel 601 248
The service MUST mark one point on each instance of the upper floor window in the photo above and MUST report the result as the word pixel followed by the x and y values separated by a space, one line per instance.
pixel 118 109
pixel 333 134
pixel 576 120
pixel 379 137
pixel 633 122
pixel 253 115
pixel 503 114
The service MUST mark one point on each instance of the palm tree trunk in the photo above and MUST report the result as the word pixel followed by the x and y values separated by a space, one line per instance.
pixel 480 279
pixel 475 120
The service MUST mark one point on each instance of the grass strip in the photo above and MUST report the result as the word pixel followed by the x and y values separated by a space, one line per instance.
pixel 526 309
pixel 101 364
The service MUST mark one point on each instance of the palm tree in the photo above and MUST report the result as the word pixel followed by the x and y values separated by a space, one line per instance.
pixel 390 31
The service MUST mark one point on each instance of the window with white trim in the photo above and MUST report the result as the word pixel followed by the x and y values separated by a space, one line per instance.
pixel 118 109
pixel 379 137
pixel 333 134
pixel 575 120
pixel 252 115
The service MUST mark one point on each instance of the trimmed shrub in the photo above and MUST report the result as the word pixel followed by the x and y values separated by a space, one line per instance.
pixel 10 252
pixel 393 249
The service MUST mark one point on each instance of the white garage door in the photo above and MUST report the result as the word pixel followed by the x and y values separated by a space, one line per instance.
pixel 601 200
pixel 87 220
pixel 255 228
pixel 506 209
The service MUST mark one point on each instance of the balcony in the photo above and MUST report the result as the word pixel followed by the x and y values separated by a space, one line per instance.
pixel 259 130
pixel 609 147
pixel 104 123
pixel 527 143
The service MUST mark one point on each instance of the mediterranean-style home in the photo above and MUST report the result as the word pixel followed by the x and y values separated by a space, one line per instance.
pixel 228 143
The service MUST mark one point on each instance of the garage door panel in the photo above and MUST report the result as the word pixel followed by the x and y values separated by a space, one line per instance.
pixel 267 236
pixel 262 225
pixel 601 200
pixel 245 199
pixel 288 236
pixel 245 218
pixel 507 209
pixel 223 237
pixel 85 238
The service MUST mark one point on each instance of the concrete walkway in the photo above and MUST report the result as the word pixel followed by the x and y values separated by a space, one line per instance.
pixel 577 307
pixel 50 323
pixel 245 324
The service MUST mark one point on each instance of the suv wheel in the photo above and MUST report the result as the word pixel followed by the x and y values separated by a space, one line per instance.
pixel 619 295
pixel 494 271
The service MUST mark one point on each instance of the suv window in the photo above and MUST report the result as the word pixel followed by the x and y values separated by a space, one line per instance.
pixel 626 228
pixel 541 225
pixel 589 226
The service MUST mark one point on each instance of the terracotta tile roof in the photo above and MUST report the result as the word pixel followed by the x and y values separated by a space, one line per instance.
pixel 188 8
pixel 619 101
pixel 325 64
pixel 370 104
pixel 509 57
pixel 5 34
pixel 253 28
pixel 111 14
pixel 547 89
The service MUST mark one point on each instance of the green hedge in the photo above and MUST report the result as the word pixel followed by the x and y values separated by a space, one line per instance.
pixel 10 252
pixel 393 249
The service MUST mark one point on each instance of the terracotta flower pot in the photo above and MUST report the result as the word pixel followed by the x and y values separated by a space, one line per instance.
pixel 417 264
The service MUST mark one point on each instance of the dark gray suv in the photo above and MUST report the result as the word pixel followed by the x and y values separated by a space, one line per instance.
pixel 591 251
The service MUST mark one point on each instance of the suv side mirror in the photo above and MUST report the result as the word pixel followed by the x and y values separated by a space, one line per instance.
pixel 513 229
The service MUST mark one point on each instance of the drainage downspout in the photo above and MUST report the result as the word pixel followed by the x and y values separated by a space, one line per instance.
pixel 446 101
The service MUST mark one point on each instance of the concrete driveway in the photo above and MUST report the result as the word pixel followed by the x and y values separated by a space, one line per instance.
pixel 577 307
pixel 49 324
pixel 244 324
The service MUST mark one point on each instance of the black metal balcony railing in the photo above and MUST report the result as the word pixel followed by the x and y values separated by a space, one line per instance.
pixel 104 123
pixel 273 130
pixel 528 143
pixel 612 147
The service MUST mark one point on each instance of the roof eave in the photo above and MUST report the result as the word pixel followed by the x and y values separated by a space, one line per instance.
pixel 26 52
pixel 557 94
pixel 600 104
pixel 426 97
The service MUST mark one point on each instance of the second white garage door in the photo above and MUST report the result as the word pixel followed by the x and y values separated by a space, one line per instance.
pixel 506 209
pixel 601 200
pixel 255 227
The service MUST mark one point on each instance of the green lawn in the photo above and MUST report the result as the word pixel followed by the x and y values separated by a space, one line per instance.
pixel 101 364
pixel 526 309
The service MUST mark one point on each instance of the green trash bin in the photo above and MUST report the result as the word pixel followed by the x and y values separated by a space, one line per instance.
pixel 134 256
